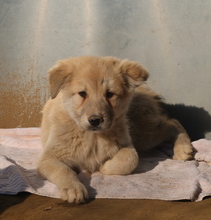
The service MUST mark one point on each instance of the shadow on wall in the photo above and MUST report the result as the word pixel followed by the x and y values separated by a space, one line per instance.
pixel 196 121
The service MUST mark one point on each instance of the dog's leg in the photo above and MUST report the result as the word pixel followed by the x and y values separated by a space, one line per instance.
pixel 65 178
pixel 183 149
pixel 123 163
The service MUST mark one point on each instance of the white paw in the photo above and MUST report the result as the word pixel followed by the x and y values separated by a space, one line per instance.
pixel 75 194
pixel 123 163
pixel 183 152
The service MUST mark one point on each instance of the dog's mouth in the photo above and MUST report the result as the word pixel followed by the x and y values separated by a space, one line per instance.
pixel 100 128
pixel 97 129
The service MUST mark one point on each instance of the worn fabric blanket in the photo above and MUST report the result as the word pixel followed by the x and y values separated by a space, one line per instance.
pixel 156 177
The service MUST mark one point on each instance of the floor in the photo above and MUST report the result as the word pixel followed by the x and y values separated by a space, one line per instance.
pixel 25 206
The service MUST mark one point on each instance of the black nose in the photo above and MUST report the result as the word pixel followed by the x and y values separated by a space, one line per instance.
pixel 95 120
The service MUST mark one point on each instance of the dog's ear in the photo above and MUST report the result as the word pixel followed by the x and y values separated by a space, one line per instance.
pixel 58 75
pixel 134 72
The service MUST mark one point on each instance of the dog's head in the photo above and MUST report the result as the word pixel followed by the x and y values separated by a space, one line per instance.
pixel 95 91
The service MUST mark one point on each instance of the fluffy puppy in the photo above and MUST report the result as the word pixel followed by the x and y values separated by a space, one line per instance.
pixel 97 113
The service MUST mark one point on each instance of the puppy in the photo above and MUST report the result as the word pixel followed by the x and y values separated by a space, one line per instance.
pixel 97 115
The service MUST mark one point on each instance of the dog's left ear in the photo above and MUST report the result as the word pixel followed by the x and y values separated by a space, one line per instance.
pixel 134 72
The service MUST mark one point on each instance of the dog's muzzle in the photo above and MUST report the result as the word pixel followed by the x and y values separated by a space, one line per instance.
pixel 95 120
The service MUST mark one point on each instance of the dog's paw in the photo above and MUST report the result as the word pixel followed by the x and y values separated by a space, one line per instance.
pixel 75 194
pixel 183 152
pixel 123 163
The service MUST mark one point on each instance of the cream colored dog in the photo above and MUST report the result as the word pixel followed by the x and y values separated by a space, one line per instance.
pixel 98 113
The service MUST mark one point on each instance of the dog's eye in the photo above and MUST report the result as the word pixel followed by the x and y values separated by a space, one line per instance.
pixel 82 94
pixel 109 94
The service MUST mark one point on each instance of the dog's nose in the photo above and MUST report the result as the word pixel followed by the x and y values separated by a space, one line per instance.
pixel 95 120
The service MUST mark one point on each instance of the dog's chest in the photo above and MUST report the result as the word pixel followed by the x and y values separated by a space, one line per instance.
pixel 96 150
pixel 90 150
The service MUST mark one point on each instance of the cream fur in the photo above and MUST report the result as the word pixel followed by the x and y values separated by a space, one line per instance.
pixel 106 91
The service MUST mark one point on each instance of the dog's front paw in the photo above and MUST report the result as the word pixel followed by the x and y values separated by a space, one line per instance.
pixel 77 193
pixel 123 163
pixel 183 152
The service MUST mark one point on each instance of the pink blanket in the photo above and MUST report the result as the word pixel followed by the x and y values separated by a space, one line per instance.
pixel 156 177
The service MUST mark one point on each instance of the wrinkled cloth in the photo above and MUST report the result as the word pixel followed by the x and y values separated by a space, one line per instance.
pixel 156 177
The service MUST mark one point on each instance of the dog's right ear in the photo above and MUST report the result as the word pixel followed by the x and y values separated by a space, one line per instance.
pixel 58 75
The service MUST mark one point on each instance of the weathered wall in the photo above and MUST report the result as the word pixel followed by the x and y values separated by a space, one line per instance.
pixel 171 38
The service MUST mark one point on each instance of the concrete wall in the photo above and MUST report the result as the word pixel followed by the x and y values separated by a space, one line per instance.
pixel 172 39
